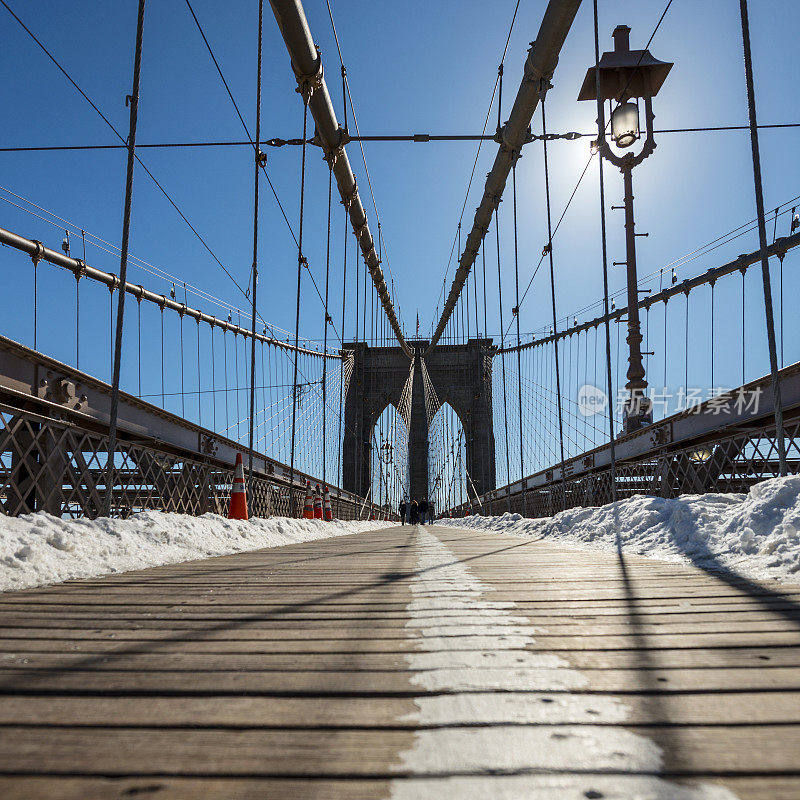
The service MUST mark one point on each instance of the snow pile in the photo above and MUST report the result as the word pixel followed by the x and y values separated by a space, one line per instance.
pixel 39 548
pixel 753 534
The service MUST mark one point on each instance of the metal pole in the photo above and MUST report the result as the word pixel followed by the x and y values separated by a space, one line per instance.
pixel 133 100
pixel 637 407
pixel 254 286
pixel 762 239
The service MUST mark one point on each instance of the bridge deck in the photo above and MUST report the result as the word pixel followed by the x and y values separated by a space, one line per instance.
pixel 402 663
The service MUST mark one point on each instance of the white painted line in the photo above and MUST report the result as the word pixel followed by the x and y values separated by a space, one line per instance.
pixel 504 710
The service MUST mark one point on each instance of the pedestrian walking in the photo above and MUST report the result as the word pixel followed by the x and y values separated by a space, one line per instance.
pixel 402 509
pixel 423 510
pixel 414 513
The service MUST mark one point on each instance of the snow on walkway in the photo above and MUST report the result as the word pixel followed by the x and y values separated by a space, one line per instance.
pixel 38 549
pixel 754 534
pixel 493 711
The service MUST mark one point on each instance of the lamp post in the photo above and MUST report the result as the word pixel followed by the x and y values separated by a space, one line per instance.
pixel 626 76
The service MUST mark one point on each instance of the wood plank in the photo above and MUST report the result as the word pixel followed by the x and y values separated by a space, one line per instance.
pixel 353 751
pixel 213 678
pixel 359 660
pixel 735 708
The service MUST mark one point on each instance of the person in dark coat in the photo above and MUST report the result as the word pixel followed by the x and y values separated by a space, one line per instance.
pixel 414 513
pixel 402 508
pixel 423 510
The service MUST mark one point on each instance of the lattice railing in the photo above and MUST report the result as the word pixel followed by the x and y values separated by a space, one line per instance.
pixel 58 466
pixel 727 464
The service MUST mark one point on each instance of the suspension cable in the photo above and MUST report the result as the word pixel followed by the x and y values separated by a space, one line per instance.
pixel 609 385
pixel 502 354
pixel 762 238
pixel 254 268
pixel 553 293
pixel 519 353
pixel 328 320
pixel 306 95
pixel 123 265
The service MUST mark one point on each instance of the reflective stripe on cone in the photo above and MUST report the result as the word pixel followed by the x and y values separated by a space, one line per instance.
pixel 308 506
pixel 328 508
pixel 317 503
pixel 238 505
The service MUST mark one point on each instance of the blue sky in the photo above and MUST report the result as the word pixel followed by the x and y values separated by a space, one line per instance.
pixel 413 67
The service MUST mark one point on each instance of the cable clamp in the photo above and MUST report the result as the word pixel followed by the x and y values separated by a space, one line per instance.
pixel 38 254
pixel 347 200
pixel 308 84
pixel 334 153
pixel 261 157
pixel 548 248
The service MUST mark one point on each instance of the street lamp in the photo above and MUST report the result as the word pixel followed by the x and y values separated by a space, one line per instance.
pixel 626 76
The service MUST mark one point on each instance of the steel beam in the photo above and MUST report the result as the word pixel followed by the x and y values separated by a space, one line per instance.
pixel 539 67
pixel 307 66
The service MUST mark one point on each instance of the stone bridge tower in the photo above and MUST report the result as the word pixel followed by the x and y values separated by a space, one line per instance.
pixel 461 375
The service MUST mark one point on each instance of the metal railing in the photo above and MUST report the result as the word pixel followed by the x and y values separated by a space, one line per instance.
pixel 54 453
pixel 683 454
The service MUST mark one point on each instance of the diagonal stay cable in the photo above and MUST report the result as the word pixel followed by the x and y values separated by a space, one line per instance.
pixel 255 148
pixel 550 242
pixel 480 143
pixel 123 140
pixel 361 145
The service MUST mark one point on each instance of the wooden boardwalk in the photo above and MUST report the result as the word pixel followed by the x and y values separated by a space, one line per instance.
pixel 403 663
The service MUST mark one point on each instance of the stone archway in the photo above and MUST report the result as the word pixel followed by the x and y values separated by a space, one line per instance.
pixel 462 376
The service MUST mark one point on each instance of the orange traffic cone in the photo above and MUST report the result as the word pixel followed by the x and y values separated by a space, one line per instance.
pixel 328 508
pixel 308 505
pixel 317 503
pixel 238 506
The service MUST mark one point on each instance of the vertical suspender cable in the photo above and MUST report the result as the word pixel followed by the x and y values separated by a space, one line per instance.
pixel 213 383
pixel 475 296
pixel 553 297
pixel 254 275
pixel 199 393
pixel 133 98
pixel 762 238
pixel 485 313
pixel 78 321
pixel 519 341
pixel 306 95
pixel 163 400
pixel 601 127
pixel 325 339
pixel 139 341
pixel 341 379
pixel 502 353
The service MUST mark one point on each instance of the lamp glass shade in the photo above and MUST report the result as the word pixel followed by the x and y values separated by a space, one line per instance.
pixel 625 124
